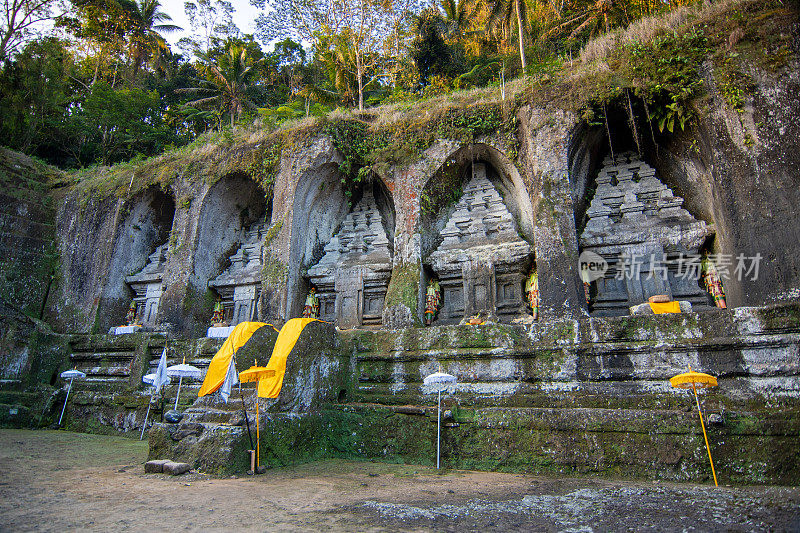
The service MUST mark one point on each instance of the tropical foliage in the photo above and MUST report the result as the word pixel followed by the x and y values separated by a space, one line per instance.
pixel 115 88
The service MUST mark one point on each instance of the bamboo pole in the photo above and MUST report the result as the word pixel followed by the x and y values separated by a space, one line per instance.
pixel 705 436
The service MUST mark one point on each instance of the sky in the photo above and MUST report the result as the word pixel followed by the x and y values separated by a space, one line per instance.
pixel 244 17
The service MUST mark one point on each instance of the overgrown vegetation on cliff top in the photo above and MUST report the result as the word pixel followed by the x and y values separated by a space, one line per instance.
pixel 655 61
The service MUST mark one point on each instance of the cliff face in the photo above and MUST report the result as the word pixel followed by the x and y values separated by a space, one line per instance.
pixel 473 175
pixel 735 169
pixel 739 169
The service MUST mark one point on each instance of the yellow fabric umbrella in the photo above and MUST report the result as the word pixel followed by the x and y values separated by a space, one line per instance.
pixel 218 368
pixel 256 373
pixel 694 381
pixel 270 387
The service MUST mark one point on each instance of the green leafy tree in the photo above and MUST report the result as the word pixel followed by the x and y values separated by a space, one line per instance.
pixel 99 28
pixel 129 122
pixel 212 24
pixel 34 114
pixel 432 55
pixel 588 19
pixel 367 25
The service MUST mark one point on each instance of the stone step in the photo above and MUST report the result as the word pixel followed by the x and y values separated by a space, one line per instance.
pixel 100 356
pixel 106 343
pixel 213 416
pixel 227 432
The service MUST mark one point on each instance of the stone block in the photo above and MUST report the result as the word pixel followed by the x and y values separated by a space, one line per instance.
pixel 187 429
pixel 176 469
pixel 156 466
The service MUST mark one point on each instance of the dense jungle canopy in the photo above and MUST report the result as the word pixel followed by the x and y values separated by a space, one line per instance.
pixel 88 82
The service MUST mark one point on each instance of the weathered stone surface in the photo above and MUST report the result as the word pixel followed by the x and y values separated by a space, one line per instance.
pixel 186 430
pixel 176 469
pixel 482 261
pixel 239 286
pixel 148 286
pixel 536 396
pixel 173 417
pixel 352 276
pixel 637 225
pixel 156 466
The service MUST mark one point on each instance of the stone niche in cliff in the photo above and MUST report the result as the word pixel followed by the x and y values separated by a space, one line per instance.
pixel 353 275
pixel 240 284
pixel 640 228
pixel 148 285
pixel 138 260
pixel 482 262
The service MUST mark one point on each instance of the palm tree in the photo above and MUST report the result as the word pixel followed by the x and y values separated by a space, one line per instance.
pixel 596 18
pixel 459 15
pixel 227 82
pixel 338 59
pixel 146 21
pixel 503 12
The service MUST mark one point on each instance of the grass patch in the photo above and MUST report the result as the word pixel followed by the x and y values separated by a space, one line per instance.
pixel 64 450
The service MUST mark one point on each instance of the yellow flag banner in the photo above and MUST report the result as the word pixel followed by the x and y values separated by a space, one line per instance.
pixel 287 338
pixel 665 307
pixel 218 368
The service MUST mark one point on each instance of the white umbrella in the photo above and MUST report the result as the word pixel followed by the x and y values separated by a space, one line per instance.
pixel 180 371
pixel 441 380
pixel 149 379
pixel 157 379
pixel 70 375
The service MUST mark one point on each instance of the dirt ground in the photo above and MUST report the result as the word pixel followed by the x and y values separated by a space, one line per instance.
pixel 57 481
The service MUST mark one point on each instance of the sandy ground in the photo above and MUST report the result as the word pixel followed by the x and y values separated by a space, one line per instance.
pixel 60 481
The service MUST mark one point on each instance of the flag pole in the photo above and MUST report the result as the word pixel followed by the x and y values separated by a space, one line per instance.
pixel 438 426
pixel 144 425
pixel 244 411
pixel 69 388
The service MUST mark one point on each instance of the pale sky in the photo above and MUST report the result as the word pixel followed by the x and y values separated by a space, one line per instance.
pixel 244 17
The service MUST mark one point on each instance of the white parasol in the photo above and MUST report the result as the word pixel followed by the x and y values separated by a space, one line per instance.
pixel 441 380
pixel 183 371
pixel 149 379
pixel 70 375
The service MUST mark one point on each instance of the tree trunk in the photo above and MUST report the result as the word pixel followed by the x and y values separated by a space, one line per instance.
pixel 519 29
pixel 360 76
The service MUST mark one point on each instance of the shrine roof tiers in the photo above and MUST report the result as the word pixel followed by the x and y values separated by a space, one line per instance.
pixel 631 205
pixel 481 228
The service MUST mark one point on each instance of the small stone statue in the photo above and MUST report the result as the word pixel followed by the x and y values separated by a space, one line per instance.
pixel 532 292
pixel 433 299
pixel 587 291
pixel 130 318
pixel 713 282
pixel 311 308
pixel 219 314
